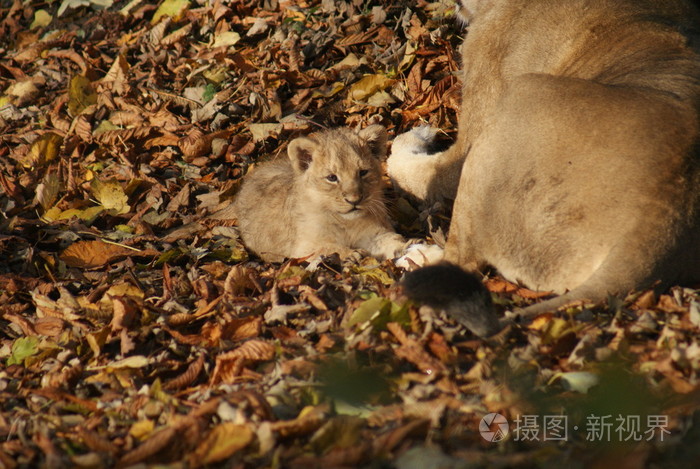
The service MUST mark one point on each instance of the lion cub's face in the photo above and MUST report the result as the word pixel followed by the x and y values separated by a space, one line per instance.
pixel 340 170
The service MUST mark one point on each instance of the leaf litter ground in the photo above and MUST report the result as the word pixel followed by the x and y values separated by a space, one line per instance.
pixel 136 331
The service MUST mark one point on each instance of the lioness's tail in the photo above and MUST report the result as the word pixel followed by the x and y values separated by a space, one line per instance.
pixel 461 294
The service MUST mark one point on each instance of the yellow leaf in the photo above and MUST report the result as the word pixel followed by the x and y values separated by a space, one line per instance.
pixel 105 126
pixel 555 329
pixel 41 18
pixel 172 8
pixel 111 195
pixel 329 90
pixel 216 75
pixel 123 289
pixel 222 442
pixel 135 361
pixel 142 430
pixel 81 95
pixel 369 85
pixel 88 215
pixel 225 39
pixel 44 150
pixel 51 214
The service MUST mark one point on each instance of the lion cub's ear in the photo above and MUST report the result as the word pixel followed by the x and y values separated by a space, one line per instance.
pixel 301 151
pixel 375 137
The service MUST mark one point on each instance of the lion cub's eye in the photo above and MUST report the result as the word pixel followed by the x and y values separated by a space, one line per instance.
pixel 332 178
pixel 364 172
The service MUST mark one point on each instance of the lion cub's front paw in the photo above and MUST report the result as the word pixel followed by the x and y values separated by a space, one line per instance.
pixel 418 255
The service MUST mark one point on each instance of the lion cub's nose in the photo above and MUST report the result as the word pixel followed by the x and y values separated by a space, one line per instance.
pixel 353 199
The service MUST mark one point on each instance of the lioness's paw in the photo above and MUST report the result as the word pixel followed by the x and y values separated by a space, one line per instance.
pixel 418 255
pixel 413 142
pixel 411 167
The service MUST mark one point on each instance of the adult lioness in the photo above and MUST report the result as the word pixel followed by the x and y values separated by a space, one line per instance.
pixel 577 143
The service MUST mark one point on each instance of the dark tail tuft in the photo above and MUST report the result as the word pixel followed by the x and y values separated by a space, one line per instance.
pixel 461 294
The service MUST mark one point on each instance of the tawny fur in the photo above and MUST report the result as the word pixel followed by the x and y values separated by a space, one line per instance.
pixel 577 144
pixel 327 197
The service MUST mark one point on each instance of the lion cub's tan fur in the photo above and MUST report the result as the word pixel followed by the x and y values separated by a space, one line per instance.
pixel 327 197
pixel 577 143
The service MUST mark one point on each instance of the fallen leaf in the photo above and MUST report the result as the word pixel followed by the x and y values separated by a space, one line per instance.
pixel 41 18
pixel 225 39
pixel 111 195
pixel 44 150
pixel 175 9
pixel 23 348
pixel 221 443
pixel 369 85
pixel 81 95
pixel 92 254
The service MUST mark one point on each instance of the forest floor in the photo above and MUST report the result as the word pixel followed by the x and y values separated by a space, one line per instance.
pixel 135 332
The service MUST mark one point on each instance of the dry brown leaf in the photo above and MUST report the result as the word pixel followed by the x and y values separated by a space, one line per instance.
pixel 31 53
pixel 357 38
pixel 388 441
pixel 177 35
pixel 186 378
pixel 256 350
pixel 237 330
pixel 117 75
pixel 83 128
pixel 309 420
pixel 148 448
pixel 93 254
pixel 238 280
pixel 49 326
pixel 412 351
pixel 71 54
pixel 96 442
pixel 126 118
pixel 118 137
pixel 195 144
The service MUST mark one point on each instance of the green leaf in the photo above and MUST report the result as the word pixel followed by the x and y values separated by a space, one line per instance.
pixel 22 348
pixel 41 18
pixel 209 92
pixel 369 309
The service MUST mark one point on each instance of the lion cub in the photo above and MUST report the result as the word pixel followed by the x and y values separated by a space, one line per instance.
pixel 327 197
